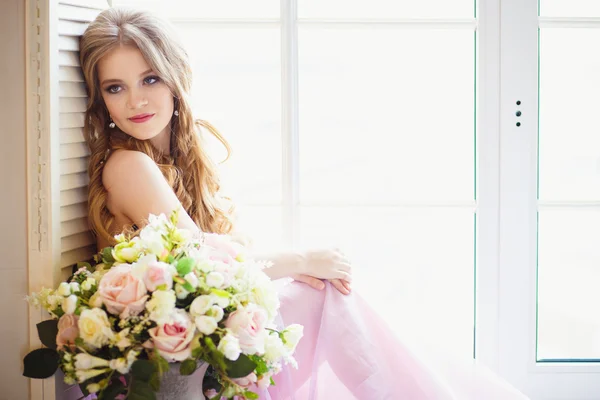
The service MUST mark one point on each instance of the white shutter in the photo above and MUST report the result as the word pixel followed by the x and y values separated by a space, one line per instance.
pixel 76 243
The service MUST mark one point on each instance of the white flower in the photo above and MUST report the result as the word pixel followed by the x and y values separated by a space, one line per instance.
pixel 230 347
pixel 152 240
pixel 96 300
pixel 180 291
pixel 201 305
pixel 87 284
pixel 221 299
pixel 206 325
pixel 121 340
pixel 69 304
pixel 215 279
pixel 74 287
pixel 216 312
pixel 86 361
pixel 161 305
pixel 69 381
pixel 127 252
pixel 192 279
pixel 94 327
pixel 292 335
pixel 85 374
pixel 274 348
pixel 119 364
pixel 64 289
pixel 93 387
pixel 53 301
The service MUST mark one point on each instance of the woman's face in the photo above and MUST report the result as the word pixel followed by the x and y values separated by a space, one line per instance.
pixel 138 101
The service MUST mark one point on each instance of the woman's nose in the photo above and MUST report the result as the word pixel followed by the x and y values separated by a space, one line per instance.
pixel 136 99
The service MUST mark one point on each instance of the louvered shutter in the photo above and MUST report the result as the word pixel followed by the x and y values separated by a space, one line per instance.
pixel 77 242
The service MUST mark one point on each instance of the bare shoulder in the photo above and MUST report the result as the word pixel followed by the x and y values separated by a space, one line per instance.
pixel 125 167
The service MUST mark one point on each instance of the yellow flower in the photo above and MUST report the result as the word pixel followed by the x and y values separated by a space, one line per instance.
pixel 94 327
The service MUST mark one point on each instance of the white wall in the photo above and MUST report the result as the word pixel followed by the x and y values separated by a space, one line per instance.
pixel 14 332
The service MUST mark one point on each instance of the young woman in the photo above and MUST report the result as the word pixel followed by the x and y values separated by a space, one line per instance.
pixel 148 156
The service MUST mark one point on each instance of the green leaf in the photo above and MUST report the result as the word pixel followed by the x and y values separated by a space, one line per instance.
pixel 142 370
pixel 141 390
pixel 114 389
pixel 47 331
pixel 155 381
pixel 79 342
pixel 185 265
pixel 261 365
pixel 272 381
pixel 40 363
pixel 250 395
pixel 107 256
pixel 187 367
pixel 160 363
pixel 188 286
pixel 240 367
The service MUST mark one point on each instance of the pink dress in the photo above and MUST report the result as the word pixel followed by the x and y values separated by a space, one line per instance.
pixel 348 352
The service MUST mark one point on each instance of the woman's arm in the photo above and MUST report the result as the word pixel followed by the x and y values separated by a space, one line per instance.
pixel 137 188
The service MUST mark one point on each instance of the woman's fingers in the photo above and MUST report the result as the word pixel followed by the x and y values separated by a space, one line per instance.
pixel 338 284
pixel 343 275
pixel 311 281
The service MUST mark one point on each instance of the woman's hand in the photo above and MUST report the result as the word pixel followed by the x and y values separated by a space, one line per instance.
pixel 329 264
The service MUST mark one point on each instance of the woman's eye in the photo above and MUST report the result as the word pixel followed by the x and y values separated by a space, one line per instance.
pixel 150 80
pixel 113 89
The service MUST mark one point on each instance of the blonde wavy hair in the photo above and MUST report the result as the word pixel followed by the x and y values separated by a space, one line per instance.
pixel 188 169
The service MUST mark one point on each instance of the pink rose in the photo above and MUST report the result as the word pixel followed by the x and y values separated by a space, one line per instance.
pixel 246 381
pixel 67 331
pixel 224 248
pixel 173 340
pixel 248 325
pixel 158 273
pixel 122 293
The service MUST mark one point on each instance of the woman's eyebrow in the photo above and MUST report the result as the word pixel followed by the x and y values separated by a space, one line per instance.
pixel 104 82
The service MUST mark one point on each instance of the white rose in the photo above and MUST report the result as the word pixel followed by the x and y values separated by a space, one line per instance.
pixel 94 327
pixel 206 325
pixel 292 335
pixel 161 305
pixel 64 289
pixel 230 347
pixel 274 348
pixel 192 279
pixel 216 312
pixel 69 304
pixel 201 305
pixel 86 361
pixel 74 287
pixel 215 279
pixel 88 283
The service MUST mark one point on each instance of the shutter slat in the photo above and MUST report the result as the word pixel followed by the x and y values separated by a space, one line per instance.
pixel 71 120
pixel 75 13
pixel 71 135
pixel 74 150
pixel 71 89
pixel 73 181
pixel 73 227
pixel 71 28
pixel 75 211
pixel 69 43
pixel 73 196
pixel 76 241
pixel 95 4
pixel 68 59
pixel 74 256
pixel 73 165
pixel 70 74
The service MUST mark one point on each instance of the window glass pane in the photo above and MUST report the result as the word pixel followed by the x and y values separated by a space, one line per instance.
pixel 571 8
pixel 568 276
pixel 414 265
pixel 385 9
pixel 207 8
pixel 391 125
pixel 569 160
pixel 262 225
pixel 237 88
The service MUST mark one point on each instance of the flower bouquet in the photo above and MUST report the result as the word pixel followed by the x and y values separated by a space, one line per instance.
pixel 164 297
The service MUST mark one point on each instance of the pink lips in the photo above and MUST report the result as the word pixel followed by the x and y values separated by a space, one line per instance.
pixel 138 119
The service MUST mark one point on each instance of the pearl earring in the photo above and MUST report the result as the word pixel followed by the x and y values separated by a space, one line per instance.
pixel 176 113
pixel 112 124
